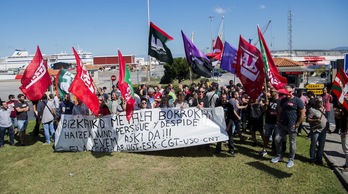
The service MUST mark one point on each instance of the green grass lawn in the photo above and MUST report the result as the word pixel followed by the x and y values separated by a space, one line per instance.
pixel 36 168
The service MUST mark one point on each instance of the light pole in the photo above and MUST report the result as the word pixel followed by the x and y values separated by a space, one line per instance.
pixel 211 32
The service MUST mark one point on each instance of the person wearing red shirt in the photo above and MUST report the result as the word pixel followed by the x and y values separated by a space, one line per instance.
pixel 103 108
pixel 327 99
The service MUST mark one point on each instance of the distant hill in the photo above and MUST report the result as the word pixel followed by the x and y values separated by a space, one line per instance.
pixel 341 48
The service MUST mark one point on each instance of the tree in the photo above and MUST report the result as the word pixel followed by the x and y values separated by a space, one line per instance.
pixel 169 74
pixel 179 70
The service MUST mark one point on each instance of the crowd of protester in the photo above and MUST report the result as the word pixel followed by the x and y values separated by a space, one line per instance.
pixel 276 115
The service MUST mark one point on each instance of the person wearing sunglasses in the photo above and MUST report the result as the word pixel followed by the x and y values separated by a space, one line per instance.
pixel 202 101
pixel 143 103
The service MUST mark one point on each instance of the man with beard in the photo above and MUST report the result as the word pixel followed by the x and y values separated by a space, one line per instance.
pixel 229 114
pixel 291 114
pixel 22 109
pixel 66 106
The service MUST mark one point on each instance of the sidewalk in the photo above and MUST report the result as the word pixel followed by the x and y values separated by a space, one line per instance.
pixel 334 155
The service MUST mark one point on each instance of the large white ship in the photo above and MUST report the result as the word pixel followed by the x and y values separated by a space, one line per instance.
pixel 86 57
pixel 21 58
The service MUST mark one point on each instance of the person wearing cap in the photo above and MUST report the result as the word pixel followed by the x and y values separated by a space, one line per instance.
pixel 291 114
pixel 318 125
pixel 22 108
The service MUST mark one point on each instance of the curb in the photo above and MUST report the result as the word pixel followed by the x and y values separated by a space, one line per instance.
pixel 343 178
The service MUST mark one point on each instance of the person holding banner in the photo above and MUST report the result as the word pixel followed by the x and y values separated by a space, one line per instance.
pixel 202 101
pixel 143 103
pixel 180 100
pixel 80 108
pixel 66 106
pixel 229 114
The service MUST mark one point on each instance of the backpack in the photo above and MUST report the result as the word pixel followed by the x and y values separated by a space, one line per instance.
pixel 255 112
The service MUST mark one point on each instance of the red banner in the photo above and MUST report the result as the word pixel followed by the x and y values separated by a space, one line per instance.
pixel 36 79
pixel 250 68
pixel 83 88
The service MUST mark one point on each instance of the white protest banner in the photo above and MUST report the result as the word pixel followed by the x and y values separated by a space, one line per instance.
pixel 148 130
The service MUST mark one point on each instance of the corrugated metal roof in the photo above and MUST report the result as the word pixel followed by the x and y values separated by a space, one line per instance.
pixel 282 62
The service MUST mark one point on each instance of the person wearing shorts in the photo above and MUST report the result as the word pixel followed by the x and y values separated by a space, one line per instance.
pixel 22 109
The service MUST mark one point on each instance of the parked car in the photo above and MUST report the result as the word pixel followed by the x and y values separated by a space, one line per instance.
pixel 216 74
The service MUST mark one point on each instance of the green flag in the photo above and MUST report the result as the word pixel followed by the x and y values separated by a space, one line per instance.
pixel 157 44
pixel 127 79
pixel 63 81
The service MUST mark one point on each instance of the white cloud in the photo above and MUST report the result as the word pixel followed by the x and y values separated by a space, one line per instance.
pixel 262 7
pixel 219 10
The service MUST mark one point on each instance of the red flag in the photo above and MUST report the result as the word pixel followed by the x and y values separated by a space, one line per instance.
pixel 36 79
pixel 250 68
pixel 271 70
pixel 125 85
pixel 82 86
pixel 217 50
pixel 340 87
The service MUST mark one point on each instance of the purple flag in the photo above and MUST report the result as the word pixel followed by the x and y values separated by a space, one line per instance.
pixel 196 59
pixel 229 58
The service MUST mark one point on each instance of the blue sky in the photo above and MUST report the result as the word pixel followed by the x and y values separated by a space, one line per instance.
pixel 103 26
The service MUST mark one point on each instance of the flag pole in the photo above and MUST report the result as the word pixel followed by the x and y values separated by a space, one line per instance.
pixel 192 39
pixel 266 90
pixel 148 67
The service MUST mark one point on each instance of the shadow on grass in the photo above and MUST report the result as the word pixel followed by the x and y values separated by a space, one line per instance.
pixel 195 151
pixel 101 154
pixel 275 172
pixel 31 140
pixel 241 149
